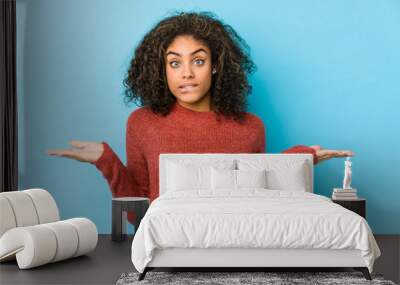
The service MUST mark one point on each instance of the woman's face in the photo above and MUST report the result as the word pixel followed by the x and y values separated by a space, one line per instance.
pixel 188 70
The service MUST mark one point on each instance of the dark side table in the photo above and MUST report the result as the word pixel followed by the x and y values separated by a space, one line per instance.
pixel 357 205
pixel 120 208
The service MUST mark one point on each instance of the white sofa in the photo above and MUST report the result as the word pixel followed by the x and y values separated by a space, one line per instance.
pixel 31 231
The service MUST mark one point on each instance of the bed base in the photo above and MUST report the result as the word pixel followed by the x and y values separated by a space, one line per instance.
pixel 364 270
pixel 244 259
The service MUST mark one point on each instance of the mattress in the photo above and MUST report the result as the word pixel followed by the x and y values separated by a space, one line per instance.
pixel 250 219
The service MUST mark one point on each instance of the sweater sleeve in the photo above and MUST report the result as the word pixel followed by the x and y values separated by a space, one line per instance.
pixel 130 180
pixel 302 149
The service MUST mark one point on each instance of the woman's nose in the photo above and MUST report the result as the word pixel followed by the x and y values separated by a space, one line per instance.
pixel 187 71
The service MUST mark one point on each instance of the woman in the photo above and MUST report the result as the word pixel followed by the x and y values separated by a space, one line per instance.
pixel 189 73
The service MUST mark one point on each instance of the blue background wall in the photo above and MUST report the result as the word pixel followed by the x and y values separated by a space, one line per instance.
pixel 327 74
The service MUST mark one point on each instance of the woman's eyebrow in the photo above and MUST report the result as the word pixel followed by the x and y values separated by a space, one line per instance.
pixel 178 54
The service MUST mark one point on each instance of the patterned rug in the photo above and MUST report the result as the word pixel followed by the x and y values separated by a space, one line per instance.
pixel 269 278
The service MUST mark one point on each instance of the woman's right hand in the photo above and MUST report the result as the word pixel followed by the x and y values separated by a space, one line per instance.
pixel 84 151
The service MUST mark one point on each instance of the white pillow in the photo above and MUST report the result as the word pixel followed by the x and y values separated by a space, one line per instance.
pixel 289 179
pixel 186 175
pixel 281 174
pixel 236 179
pixel 251 178
pixel 223 179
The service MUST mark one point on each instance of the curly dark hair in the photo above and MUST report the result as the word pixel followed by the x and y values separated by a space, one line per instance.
pixel 146 80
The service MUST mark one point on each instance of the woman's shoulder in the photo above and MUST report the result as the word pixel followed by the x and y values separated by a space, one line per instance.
pixel 141 115
pixel 253 120
pixel 140 121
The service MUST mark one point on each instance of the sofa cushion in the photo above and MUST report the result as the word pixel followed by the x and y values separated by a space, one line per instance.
pixel 33 246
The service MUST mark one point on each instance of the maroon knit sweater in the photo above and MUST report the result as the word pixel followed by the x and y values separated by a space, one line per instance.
pixel 181 131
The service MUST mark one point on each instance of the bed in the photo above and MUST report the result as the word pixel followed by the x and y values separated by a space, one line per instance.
pixel 247 210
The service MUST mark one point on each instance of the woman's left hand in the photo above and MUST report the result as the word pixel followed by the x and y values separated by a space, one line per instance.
pixel 324 154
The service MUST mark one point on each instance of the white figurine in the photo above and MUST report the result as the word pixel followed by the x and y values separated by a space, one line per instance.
pixel 347 174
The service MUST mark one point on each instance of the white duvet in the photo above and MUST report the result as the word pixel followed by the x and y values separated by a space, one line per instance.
pixel 251 218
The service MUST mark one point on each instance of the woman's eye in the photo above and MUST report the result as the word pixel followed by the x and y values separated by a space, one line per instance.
pixel 174 64
pixel 199 61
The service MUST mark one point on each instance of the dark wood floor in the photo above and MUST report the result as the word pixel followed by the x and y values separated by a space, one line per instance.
pixel 111 259
pixel 389 262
